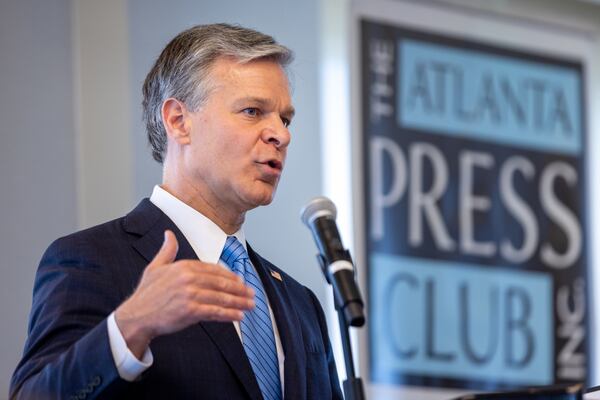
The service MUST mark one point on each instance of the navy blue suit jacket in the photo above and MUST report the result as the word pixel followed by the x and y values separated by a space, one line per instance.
pixel 83 277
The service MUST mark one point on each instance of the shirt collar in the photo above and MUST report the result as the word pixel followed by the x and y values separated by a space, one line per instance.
pixel 206 238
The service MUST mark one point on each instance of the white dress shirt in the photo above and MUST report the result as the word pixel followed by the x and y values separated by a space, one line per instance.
pixel 207 240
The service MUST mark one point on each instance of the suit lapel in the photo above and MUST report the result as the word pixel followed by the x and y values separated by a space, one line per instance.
pixel 288 326
pixel 150 223
pixel 227 340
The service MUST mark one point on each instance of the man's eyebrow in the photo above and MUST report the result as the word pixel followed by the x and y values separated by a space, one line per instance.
pixel 262 102
pixel 251 99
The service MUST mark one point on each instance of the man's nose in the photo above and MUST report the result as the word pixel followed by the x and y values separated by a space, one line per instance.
pixel 277 133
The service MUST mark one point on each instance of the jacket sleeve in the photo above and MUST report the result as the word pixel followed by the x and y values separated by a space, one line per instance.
pixel 336 392
pixel 67 353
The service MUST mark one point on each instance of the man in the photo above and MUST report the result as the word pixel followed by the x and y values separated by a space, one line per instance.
pixel 169 302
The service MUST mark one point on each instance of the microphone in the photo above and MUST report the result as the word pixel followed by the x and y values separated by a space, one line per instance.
pixel 335 261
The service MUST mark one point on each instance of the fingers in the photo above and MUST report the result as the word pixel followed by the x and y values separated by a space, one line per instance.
pixel 212 293
pixel 231 283
pixel 216 313
pixel 168 251
pixel 208 305
pixel 213 277
pixel 223 300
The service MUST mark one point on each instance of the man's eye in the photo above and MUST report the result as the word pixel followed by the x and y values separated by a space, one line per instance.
pixel 286 122
pixel 251 111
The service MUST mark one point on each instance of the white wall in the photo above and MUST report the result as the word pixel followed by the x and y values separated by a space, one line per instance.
pixel 102 110
pixel 37 155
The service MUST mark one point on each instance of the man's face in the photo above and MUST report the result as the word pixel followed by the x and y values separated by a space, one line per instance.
pixel 239 137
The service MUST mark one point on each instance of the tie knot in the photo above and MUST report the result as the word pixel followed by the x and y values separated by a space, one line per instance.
pixel 233 251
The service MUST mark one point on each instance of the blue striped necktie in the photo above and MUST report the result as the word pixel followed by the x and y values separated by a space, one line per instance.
pixel 256 327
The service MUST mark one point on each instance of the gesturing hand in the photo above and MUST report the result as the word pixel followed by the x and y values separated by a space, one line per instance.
pixel 174 295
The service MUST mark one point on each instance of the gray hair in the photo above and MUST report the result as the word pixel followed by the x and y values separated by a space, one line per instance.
pixel 182 70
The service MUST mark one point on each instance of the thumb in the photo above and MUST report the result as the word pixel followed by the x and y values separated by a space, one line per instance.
pixel 167 252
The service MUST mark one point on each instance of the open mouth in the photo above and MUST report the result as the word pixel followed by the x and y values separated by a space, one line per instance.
pixel 274 164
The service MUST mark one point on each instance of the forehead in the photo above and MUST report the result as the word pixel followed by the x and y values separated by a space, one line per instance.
pixel 261 75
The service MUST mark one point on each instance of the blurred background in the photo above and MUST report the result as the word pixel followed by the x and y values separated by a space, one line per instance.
pixel 73 148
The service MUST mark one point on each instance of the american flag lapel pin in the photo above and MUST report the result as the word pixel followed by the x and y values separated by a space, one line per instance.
pixel 276 275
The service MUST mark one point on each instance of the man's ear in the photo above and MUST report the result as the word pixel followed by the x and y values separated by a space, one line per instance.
pixel 175 117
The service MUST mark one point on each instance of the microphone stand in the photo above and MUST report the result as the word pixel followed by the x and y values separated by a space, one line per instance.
pixel 353 385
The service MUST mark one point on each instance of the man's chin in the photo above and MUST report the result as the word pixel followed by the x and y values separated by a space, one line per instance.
pixel 261 199
pixel 267 200
pixel 266 194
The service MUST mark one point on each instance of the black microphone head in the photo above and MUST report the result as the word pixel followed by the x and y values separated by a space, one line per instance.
pixel 318 207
